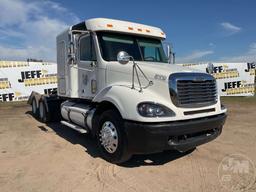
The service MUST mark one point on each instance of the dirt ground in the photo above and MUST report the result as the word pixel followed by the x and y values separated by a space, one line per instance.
pixel 36 157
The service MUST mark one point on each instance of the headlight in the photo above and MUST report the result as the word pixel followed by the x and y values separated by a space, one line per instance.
pixel 148 109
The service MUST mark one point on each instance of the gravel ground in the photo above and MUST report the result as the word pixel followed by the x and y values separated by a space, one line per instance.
pixel 39 157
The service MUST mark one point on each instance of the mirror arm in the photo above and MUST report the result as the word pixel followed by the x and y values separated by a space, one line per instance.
pixel 123 58
pixel 135 69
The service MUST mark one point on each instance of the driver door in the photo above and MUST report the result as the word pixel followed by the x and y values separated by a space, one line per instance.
pixel 87 67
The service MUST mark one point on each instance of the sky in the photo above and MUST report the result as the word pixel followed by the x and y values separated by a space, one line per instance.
pixel 199 30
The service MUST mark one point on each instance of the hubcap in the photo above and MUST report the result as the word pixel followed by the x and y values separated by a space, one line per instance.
pixel 41 110
pixel 108 137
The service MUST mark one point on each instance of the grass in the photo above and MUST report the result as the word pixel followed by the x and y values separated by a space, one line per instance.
pixel 12 104
pixel 235 99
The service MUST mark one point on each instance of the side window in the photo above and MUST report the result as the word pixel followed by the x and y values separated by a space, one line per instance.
pixel 87 50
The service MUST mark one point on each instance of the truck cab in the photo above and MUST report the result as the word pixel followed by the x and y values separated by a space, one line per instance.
pixel 115 82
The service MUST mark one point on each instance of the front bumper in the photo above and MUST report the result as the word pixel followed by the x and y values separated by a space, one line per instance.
pixel 178 135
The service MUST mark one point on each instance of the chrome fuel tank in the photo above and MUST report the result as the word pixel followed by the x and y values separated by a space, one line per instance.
pixel 77 113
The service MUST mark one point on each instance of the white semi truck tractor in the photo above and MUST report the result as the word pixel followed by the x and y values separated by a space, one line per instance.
pixel 115 82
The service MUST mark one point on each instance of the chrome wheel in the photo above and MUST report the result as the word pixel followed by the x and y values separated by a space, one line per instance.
pixel 34 106
pixel 41 110
pixel 109 137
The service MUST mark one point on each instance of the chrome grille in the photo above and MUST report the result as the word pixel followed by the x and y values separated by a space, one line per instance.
pixel 193 89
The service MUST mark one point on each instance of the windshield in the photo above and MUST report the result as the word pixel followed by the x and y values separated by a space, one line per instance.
pixel 140 48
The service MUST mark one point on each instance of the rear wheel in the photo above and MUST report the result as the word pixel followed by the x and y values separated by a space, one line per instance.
pixel 34 108
pixel 43 115
pixel 111 137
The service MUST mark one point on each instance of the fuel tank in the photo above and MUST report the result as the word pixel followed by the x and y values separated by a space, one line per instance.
pixel 78 113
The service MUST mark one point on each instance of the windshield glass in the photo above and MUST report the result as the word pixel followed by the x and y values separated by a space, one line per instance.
pixel 140 48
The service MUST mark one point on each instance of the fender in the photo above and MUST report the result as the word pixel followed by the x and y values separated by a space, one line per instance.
pixel 125 99
pixel 109 94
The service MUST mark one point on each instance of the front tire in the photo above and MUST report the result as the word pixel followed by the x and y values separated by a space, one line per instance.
pixel 111 138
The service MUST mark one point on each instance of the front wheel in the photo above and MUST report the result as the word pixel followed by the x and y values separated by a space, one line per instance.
pixel 111 137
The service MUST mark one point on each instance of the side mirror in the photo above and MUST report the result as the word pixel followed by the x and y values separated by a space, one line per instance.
pixel 71 54
pixel 210 68
pixel 168 51
pixel 123 57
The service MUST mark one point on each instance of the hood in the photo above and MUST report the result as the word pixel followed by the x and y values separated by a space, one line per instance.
pixel 152 69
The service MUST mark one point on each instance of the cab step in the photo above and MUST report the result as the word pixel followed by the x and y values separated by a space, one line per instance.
pixel 75 127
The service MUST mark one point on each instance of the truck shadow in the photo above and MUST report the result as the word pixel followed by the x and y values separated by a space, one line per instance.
pixel 85 140
pixel 154 159
pixel 90 146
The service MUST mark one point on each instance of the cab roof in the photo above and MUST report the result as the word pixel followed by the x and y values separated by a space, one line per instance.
pixel 104 24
